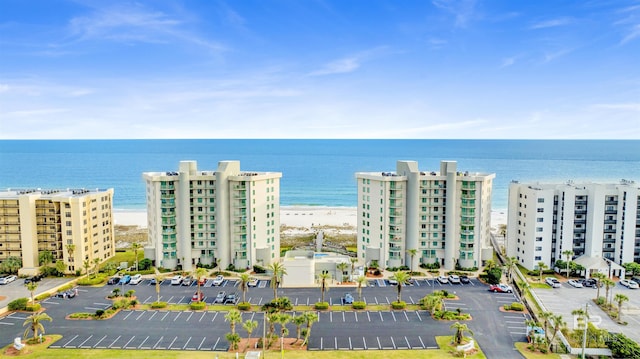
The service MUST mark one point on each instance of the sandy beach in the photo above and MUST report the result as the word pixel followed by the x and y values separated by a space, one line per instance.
pixel 295 216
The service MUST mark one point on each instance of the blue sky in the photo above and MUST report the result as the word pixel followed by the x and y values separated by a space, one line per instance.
pixel 319 69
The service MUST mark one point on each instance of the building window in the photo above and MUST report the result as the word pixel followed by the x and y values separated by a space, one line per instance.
pixel 538 258
pixel 539 219
pixel 540 200
pixel 538 229
pixel 538 248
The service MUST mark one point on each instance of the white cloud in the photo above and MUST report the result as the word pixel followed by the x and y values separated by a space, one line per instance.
pixel 463 10
pixel 39 112
pixel 633 33
pixel 561 21
pixel 341 66
pixel 508 61
pixel 4 88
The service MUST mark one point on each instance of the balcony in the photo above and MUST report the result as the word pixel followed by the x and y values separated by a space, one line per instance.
pixel 395 213
pixel 468 185
pixel 167 187
pixel 168 204
pixel 240 213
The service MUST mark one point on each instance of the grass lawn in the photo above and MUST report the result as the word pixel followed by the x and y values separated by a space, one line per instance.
pixel 126 256
pixel 447 349
pixel 41 351
pixel 539 285
pixel 522 348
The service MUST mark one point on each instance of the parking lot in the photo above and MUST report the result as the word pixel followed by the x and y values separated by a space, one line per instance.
pixel 495 331
pixel 565 299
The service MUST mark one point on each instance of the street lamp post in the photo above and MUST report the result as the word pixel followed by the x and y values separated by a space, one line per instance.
pixel 586 324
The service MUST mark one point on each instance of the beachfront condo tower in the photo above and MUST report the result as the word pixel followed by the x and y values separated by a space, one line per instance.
pixel 74 225
pixel 220 218
pixel 596 225
pixel 410 216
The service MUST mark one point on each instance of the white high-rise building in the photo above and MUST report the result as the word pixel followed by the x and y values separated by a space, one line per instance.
pixel 428 217
pixel 224 217
pixel 590 219
pixel 75 225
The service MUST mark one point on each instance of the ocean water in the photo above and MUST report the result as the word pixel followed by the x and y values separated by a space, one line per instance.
pixel 315 172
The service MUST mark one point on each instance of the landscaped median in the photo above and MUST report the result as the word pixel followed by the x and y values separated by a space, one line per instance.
pixel 37 351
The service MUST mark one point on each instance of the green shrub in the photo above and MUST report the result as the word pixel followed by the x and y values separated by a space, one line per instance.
pixel 399 305
pixel 99 313
pixel 359 305
pixel 98 279
pixel 80 315
pixel 322 305
pixel 600 300
pixel 65 288
pixel 133 303
pixel 259 270
pixel 43 296
pixel 517 306
pixel 19 304
pixel 244 306
pixel 198 305
pixel 33 307
pixel 130 293
pixel 623 347
pixel 158 305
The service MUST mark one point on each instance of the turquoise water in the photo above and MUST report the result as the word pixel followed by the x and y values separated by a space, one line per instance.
pixel 315 172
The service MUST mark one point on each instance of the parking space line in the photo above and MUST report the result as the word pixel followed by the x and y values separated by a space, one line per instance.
pixel 110 345
pixel 368 316
pixel 203 314
pixel 176 318
pixel 7 323
pixel 387 298
pixel 335 343
pixel 127 316
pixel 165 315
pixel 394 316
pixel 146 300
pixel 421 342
pixel 185 344
pixel 173 341
pixel 158 342
pixel 202 342
pixel 379 345
pixel 364 341
pixel 99 341
pixel 381 319
pixel 355 314
pixel 394 343
pixel 350 346
pixel 253 314
pixel 407 340
pixel 169 301
pixel 418 314
pixel 412 302
pixel 141 314
pixel 189 317
pixel 128 342
pixel 181 299
pixel 214 317
pixel 307 300
pixel 72 339
pixel 152 315
pixel 376 298
pixel 343 319
pixel 81 344
pixel 405 315
pixel 216 344
pixel 141 344
pixel 320 343
pixel 331 317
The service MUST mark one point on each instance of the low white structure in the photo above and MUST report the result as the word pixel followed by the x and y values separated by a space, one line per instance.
pixel 303 267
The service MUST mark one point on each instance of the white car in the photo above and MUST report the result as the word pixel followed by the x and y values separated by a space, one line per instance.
pixel 574 283
pixel 253 282
pixel 553 282
pixel 136 279
pixel 454 279
pixel 442 279
pixel 217 281
pixel 629 283
pixel 176 280
pixel 8 279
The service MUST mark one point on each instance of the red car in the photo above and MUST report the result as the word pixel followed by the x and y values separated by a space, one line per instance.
pixel 501 288
pixel 197 298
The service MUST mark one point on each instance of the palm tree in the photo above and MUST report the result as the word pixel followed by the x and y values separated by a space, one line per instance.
pixel 502 230
pixel 557 324
pixel 599 277
pixel 412 253
pixel 620 298
pixel 34 323
pixel 310 318
pixel 283 319
pixel 244 281
pixel 199 273
pixel 12 264
pixel 234 317
pixel 545 317
pixel 233 339
pixel 569 254
pixel 525 288
pixel 86 264
pixel 45 257
pixel 135 246
pixel 541 267
pixel 342 267
pixel 322 277
pixel 489 264
pixel 362 282
pixel 158 280
pixel 432 303
pixel 298 320
pixel 512 262
pixel 353 264
pixel 278 271
pixel 608 284
pixel 31 287
pixel 70 249
pixel 249 325
pixel 583 316
pixel 96 264
pixel 402 278
pixel 459 329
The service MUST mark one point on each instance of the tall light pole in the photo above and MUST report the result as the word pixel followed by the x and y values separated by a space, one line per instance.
pixel 586 324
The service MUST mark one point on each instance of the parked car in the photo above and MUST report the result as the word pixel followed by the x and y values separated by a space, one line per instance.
pixel 136 279
pixel 464 279
pixel 629 283
pixel 501 288
pixel 553 282
pixel 125 280
pixel 8 279
pixel 574 283
pixel 454 279
pixel 348 298
pixel 230 298
pixel 202 281
pixel 591 283
pixel 66 294
pixel 197 298
pixel 113 280
pixel 176 280
pixel 392 282
pixel 220 297
pixel 153 281
pixel 442 279
pixel 636 279
pixel 35 278
pixel 253 282
pixel 217 281
pixel 187 280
